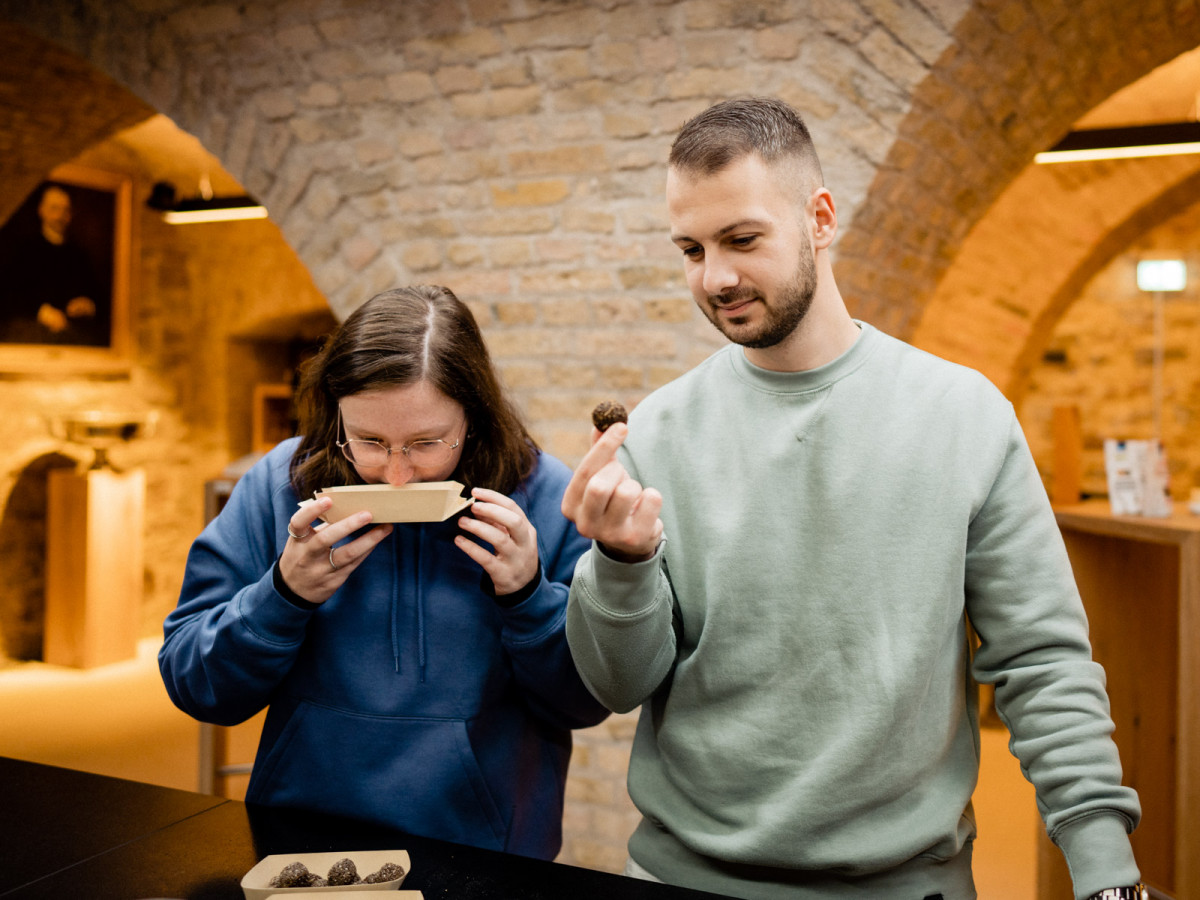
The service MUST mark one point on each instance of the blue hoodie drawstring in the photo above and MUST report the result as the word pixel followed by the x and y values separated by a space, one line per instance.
pixel 420 602
pixel 396 607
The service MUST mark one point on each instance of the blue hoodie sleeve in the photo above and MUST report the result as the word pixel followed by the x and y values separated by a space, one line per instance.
pixel 233 638
pixel 534 633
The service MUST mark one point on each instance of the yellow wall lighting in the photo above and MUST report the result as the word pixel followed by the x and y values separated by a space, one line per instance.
pixel 1132 142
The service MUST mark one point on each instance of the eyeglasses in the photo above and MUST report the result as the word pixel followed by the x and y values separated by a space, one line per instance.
pixel 376 454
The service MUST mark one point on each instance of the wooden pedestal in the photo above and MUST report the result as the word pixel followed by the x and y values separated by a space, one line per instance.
pixel 94 566
pixel 1140 582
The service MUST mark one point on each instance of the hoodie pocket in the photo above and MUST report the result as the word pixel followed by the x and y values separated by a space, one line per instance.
pixel 416 774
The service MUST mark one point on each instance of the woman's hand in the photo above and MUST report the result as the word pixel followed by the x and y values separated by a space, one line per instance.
pixel 310 565
pixel 513 562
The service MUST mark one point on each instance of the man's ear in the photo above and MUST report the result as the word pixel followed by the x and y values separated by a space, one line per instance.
pixel 823 217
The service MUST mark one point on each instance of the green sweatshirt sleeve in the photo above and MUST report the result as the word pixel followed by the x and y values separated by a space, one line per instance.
pixel 620 627
pixel 1026 609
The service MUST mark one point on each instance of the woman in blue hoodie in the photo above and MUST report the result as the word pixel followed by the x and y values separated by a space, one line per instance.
pixel 416 675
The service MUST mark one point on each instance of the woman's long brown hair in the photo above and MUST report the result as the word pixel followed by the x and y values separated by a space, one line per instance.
pixel 397 338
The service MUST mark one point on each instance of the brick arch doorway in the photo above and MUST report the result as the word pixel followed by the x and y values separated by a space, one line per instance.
pixel 1054 228
pixel 22 580
pixel 944 251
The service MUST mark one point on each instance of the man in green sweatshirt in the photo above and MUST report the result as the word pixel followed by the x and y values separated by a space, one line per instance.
pixel 789 542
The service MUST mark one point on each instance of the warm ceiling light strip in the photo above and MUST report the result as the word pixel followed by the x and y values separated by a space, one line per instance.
pixel 1132 142
pixel 1061 156
pixel 227 214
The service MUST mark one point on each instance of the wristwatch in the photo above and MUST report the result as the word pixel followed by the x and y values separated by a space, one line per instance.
pixel 1130 892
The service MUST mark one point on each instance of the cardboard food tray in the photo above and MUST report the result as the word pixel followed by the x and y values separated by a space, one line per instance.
pixel 430 501
pixel 256 882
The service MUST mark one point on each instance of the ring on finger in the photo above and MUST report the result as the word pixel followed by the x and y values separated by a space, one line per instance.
pixel 298 537
pixel 332 564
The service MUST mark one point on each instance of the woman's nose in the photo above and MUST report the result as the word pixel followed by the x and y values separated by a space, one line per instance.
pixel 399 470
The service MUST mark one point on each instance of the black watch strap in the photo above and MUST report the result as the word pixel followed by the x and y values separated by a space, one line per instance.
pixel 1129 892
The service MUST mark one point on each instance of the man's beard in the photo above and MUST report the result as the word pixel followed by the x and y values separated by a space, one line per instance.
pixel 781 318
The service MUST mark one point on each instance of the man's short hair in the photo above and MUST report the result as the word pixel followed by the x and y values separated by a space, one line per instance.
pixel 733 129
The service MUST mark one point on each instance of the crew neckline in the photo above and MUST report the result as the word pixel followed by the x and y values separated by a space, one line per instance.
pixel 809 379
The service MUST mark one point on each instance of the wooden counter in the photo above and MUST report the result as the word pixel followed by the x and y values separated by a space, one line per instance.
pixel 1140 583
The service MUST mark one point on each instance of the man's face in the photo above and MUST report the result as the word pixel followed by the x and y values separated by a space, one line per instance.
pixel 55 211
pixel 747 252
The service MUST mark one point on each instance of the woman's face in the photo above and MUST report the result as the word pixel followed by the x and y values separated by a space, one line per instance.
pixel 414 416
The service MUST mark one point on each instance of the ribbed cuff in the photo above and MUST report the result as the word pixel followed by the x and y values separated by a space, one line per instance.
pixel 629 587
pixel 507 601
pixel 1098 854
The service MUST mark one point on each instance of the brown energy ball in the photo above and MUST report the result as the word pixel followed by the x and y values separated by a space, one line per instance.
pixel 343 872
pixel 295 875
pixel 608 413
pixel 389 871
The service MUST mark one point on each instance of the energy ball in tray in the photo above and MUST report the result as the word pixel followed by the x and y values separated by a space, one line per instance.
pixel 343 872
pixel 387 872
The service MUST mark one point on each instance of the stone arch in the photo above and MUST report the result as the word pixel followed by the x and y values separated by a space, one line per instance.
pixel 937 252
pixel 1021 265
pixel 1140 218
pixel 88 106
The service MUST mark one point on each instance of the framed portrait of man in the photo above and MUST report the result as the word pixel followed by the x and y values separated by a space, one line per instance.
pixel 64 272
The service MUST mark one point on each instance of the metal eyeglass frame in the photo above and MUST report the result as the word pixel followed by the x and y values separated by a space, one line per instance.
pixel 347 451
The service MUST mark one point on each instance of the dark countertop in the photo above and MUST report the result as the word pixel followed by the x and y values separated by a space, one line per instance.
pixel 68 834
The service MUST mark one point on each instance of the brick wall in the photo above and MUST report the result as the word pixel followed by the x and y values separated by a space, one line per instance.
pixel 599 815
